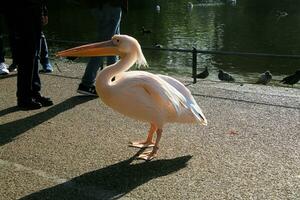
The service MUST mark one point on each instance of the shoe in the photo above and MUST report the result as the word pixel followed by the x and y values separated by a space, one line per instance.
pixel 44 101
pixel 3 69
pixel 12 67
pixel 90 91
pixel 29 105
pixel 47 68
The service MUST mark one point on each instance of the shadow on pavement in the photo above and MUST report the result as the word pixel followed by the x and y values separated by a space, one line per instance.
pixel 9 110
pixel 112 182
pixel 247 101
pixel 11 130
pixel 8 76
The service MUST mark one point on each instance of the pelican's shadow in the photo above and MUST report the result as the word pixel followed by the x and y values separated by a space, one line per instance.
pixel 111 182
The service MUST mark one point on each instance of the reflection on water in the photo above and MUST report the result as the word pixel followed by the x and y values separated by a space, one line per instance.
pixel 242 25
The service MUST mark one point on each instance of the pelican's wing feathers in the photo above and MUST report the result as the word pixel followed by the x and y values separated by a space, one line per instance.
pixel 159 89
pixel 190 102
pixel 168 91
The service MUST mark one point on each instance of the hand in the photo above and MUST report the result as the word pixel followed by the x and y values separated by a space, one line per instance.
pixel 44 20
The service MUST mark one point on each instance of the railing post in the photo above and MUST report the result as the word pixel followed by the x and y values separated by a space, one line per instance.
pixel 194 72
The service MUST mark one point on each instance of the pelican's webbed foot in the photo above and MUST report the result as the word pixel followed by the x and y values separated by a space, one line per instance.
pixel 149 155
pixel 140 144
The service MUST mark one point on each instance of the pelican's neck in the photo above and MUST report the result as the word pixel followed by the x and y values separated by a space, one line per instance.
pixel 104 77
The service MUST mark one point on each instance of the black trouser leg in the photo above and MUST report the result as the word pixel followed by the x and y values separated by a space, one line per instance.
pixel 36 81
pixel 2 52
pixel 1 49
pixel 26 27
pixel 25 60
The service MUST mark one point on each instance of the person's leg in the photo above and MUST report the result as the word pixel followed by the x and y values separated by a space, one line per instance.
pixel 36 81
pixel 44 56
pixel 26 27
pixel 115 14
pixel 2 59
pixel 2 52
pixel 88 79
pixel 3 66
pixel 91 70
pixel 108 23
pixel 25 52
pixel 87 82
pixel 12 43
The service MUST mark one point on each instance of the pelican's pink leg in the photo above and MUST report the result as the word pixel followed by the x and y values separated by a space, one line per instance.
pixel 149 155
pixel 148 142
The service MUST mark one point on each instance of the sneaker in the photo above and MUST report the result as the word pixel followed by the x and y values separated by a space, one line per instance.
pixel 29 105
pixel 3 69
pixel 12 67
pixel 47 68
pixel 90 91
pixel 44 101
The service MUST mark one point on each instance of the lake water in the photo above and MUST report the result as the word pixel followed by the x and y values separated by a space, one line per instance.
pixel 244 26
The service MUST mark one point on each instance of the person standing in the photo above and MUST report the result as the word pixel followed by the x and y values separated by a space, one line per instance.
pixel 108 15
pixel 25 19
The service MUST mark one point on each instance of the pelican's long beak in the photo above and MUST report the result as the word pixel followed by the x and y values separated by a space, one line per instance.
pixel 106 48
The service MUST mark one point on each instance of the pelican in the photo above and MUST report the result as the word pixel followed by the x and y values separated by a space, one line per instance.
pixel 156 99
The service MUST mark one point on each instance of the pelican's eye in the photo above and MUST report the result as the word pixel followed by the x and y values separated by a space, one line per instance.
pixel 116 41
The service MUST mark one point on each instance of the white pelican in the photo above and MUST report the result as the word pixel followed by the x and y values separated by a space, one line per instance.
pixel 156 99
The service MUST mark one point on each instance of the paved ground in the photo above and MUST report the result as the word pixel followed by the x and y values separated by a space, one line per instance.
pixel 77 149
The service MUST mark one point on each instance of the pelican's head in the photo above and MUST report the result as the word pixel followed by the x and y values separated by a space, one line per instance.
pixel 120 45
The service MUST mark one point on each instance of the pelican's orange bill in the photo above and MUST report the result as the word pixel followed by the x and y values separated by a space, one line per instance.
pixel 106 48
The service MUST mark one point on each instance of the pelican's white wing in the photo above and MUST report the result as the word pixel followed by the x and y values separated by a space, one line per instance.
pixel 189 100
pixel 160 89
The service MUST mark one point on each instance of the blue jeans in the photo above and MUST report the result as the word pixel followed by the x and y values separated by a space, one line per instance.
pixel 42 54
pixel 108 24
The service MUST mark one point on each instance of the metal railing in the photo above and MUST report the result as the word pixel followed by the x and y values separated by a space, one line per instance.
pixel 195 52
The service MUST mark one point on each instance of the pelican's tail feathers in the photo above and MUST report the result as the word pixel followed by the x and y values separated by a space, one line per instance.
pixel 196 110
